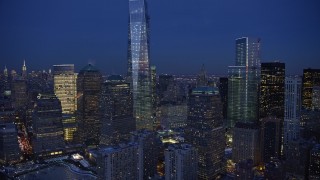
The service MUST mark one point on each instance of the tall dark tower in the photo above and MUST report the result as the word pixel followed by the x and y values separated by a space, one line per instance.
pixel 272 88
pixel 116 110
pixel 88 94
pixel 139 64
pixel 205 130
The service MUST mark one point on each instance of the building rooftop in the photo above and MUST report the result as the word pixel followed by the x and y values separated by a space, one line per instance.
pixel 89 68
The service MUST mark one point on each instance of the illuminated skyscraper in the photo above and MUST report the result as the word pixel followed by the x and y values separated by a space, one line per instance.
pixel 243 82
pixel 205 130
pixel 272 86
pixel 272 89
pixel 65 87
pixel 138 63
pixel 311 78
pixel 88 114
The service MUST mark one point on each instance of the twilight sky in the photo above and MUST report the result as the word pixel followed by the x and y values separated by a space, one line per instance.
pixel 184 33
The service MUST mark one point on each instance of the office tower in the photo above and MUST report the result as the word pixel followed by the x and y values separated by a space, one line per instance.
pixel 9 147
pixel 181 162
pixel 69 127
pixel 272 89
pixel 314 167
pixel 311 78
pixel 119 162
pixel 243 83
pixel 223 89
pixel 138 64
pixel 65 86
pixel 88 113
pixel 292 110
pixel 202 79
pixel 24 70
pixel 316 98
pixel 116 109
pixel 205 130
pixel 19 93
pixel 246 143
pixel 47 126
pixel 271 138
pixel 149 145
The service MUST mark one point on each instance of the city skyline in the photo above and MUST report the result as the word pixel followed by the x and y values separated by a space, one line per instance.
pixel 79 32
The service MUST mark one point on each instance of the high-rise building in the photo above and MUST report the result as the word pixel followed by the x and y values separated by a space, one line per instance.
pixel 223 89
pixel 205 130
pixel 119 162
pixel 139 64
pixel 243 83
pixel 65 87
pixel 9 147
pixel 181 162
pixel 246 143
pixel 314 167
pixel 116 109
pixel 292 109
pixel 311 78
pixel 89 82
pixel 149 145
pixel 271 138
pixel 19 93
pixel 272 89
pixel 47 126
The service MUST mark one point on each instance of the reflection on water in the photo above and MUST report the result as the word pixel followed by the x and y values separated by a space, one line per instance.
pixel 54 173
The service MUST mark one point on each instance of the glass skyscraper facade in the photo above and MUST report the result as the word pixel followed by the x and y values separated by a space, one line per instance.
pixel 205 130
pixel 116 110
pixel 138 63
pixel 243 82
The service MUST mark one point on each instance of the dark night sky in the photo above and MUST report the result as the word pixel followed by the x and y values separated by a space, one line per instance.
pixel 184 33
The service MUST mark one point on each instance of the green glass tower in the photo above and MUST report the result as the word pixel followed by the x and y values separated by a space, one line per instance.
pixel 243 83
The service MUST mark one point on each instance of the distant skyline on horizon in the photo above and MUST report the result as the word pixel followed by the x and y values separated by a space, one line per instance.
pixel 184 34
